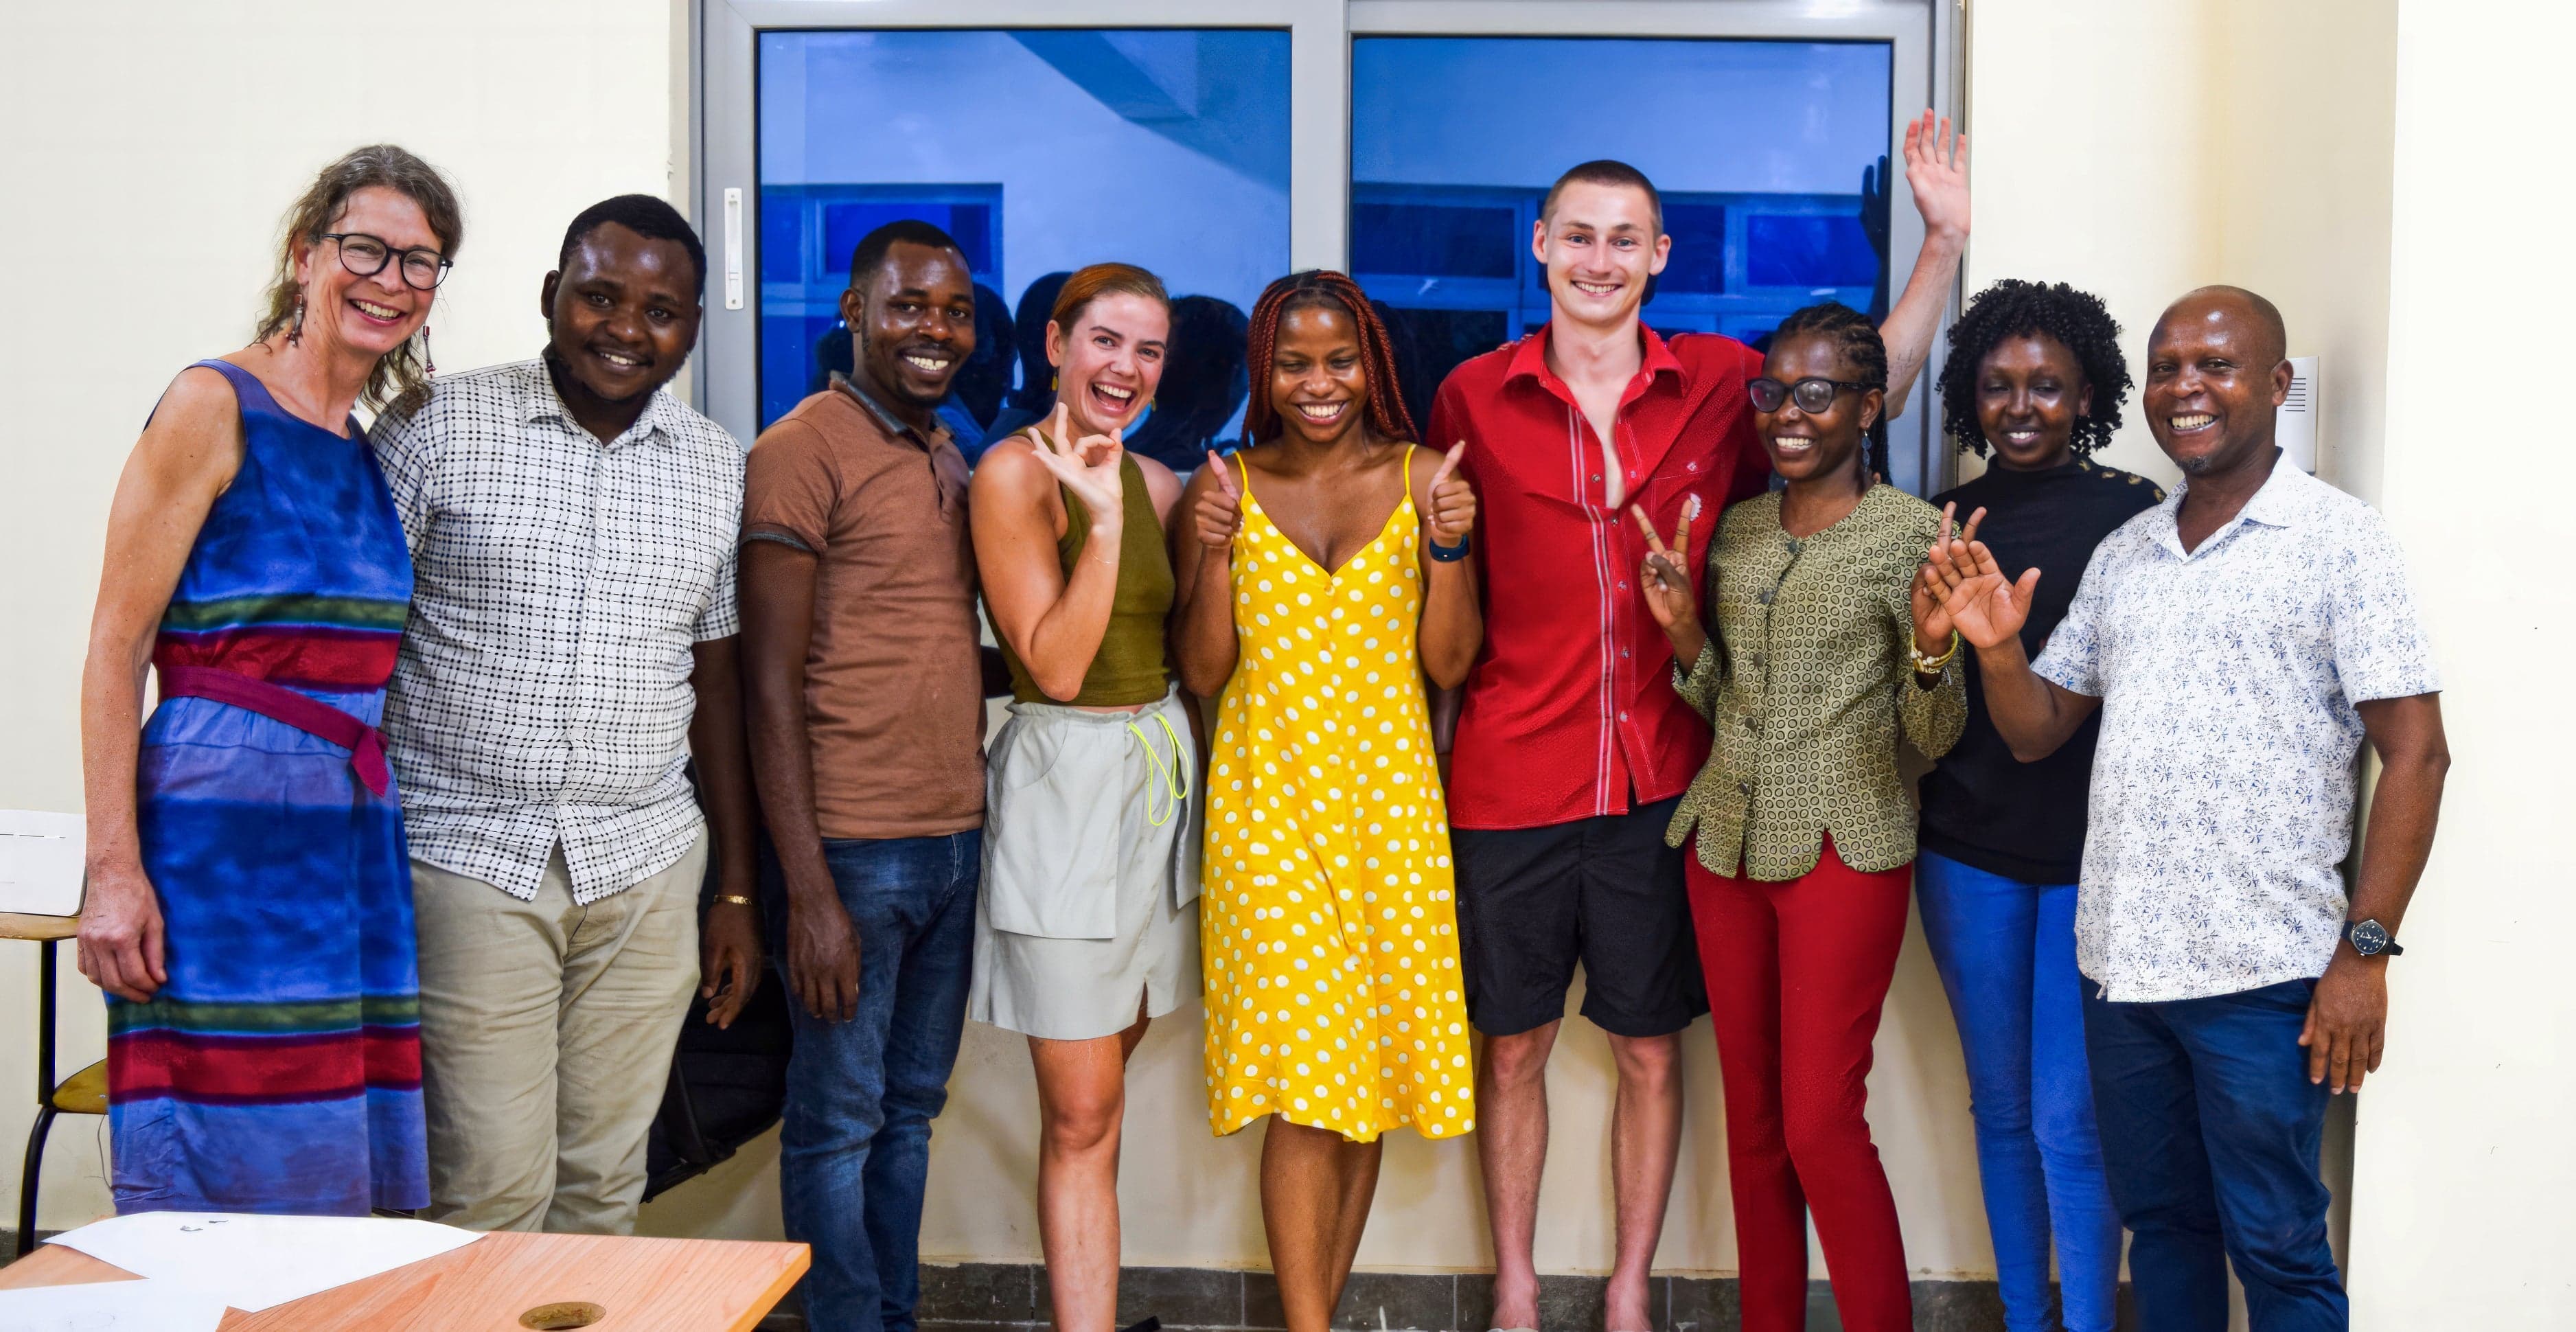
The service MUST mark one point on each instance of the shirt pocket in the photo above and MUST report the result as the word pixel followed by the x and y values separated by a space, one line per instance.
pixel 1670 488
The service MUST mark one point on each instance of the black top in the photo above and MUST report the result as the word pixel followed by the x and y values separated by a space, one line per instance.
pixel 1981 806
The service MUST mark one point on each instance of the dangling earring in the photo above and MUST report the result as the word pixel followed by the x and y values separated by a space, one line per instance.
pixel 1149 402
pixel 295 331
pixel 428 363
pixel 1054 382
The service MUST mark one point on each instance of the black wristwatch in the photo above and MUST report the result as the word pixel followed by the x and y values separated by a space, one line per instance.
pixel 2370 939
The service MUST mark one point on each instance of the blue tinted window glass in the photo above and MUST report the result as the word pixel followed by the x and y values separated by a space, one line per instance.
pixel 1445 136
pixel 1444 240
pixel 1698 262
pixel 1040 151
pixel 1809 250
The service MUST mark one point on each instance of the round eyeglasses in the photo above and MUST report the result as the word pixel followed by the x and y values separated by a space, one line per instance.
pixel 1811 395
pixel 364 255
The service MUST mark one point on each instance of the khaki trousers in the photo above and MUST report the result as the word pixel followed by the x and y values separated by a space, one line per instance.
pixel 546 1031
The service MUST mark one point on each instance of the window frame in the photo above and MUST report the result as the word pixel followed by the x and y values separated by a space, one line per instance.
pixel 724 113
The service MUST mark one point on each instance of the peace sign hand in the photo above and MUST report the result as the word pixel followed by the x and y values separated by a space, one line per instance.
pixel 1453 501
pixel 1672 591
pixel 1089 467
pixel 1220 509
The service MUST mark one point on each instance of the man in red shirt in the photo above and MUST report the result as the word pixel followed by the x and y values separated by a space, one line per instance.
pixel 1572 747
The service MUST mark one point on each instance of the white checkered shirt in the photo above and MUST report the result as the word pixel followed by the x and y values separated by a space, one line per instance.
pixel 543 693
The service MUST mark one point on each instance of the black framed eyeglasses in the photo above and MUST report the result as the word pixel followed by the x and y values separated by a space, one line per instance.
pixel 1811 395
pixel 364 255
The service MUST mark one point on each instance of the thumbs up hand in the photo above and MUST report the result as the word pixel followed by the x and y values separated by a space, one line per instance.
pixel 1220 508
pixel 1452 513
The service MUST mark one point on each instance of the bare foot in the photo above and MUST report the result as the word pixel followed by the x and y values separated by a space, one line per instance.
pixel 1515 1304
pixel 1624 1307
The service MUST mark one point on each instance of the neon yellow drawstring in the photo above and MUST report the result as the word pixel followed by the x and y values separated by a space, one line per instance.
pixel 1175 783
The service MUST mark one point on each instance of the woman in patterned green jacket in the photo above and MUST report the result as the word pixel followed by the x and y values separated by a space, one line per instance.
pixel 1824 652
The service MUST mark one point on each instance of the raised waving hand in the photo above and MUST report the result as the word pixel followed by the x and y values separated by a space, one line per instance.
pixel 1453 502
pixel 1932 622
pixel 1979 601
pixel 1936 170
pixel 1089 467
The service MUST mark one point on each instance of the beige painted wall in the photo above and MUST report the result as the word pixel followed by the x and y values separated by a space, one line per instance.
pixel 2191 142
pixel 2461 1214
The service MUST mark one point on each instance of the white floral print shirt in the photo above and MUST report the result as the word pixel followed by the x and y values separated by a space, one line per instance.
pixel 2223 788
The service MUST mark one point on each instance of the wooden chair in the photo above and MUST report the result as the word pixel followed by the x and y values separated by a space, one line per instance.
pixel 83 1093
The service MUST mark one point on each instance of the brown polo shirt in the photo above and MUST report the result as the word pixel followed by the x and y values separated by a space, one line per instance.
pixel 894 705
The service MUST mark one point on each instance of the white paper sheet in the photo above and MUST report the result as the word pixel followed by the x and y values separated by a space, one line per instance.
pixel 40 863
pixel 109 1306
pixel 255 1262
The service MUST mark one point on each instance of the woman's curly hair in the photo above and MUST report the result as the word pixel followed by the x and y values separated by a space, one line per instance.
pixel 2014 308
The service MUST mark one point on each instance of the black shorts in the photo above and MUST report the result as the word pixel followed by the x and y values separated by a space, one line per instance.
pixel 1605 891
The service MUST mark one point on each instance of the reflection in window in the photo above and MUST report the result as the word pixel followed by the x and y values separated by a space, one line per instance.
pixel 1040 151
pixel 1771 156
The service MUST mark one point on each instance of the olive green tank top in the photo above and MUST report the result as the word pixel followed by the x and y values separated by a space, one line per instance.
pixel 1129 668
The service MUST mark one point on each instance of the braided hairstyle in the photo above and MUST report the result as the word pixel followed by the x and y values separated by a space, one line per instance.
pixel 1322 288
pixel 2014 308
pixel 1857 341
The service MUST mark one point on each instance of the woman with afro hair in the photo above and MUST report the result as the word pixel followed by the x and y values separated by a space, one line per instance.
pixel 2034 383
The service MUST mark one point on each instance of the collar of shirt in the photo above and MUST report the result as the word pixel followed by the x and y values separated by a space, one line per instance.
pixel 1658 367
pixel 947 466
pixel 2278 502
pixel 540 400
pixel 894 426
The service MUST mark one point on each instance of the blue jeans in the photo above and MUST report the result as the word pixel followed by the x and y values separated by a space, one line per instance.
pixel 2006 953
pixel 2210 1129
pixel 855 1142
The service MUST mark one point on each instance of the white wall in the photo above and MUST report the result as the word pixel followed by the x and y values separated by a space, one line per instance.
pixel 2073 110
pixel 2466 1165
pixel 2140 148
pixel 150 147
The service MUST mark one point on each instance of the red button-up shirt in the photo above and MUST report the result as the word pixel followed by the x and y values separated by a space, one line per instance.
pixel 1569 710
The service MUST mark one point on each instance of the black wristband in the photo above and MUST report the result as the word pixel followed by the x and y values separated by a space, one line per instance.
pixel 1448 554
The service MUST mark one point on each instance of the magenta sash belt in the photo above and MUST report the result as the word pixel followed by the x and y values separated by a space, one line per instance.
pixel 278 703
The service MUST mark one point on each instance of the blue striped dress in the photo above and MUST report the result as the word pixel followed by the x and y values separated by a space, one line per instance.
pixel 279 1069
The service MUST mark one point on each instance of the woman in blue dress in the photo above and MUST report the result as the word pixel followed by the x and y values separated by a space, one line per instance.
pixel 249 905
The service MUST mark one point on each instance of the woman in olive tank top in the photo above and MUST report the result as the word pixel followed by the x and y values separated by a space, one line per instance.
pixel 1089 921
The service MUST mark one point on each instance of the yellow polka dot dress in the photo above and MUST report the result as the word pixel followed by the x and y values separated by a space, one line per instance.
pixel 1328 922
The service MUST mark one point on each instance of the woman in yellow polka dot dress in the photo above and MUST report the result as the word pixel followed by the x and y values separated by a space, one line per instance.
pixel 1328 578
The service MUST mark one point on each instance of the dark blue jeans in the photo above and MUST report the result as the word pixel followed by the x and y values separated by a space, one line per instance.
pixel 855 1143
pixel 2006 953
pixel 2210 1130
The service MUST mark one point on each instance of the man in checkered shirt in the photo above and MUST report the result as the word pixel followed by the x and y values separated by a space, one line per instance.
pixel 571 643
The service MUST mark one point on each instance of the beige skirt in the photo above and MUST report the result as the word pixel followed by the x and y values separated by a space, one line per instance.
pixel 1089 907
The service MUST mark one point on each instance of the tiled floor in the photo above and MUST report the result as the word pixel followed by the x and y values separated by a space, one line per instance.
pixel 1012 1298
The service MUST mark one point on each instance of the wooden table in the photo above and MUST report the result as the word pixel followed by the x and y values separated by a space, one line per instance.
pixel 643 1285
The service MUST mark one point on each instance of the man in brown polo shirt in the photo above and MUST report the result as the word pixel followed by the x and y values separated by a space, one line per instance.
pixel 862 672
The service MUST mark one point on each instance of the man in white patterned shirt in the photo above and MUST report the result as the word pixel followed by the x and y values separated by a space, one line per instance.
pixel 571 643
pixel 2242 639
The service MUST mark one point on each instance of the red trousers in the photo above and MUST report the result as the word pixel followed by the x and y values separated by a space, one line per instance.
pixel 1797 973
